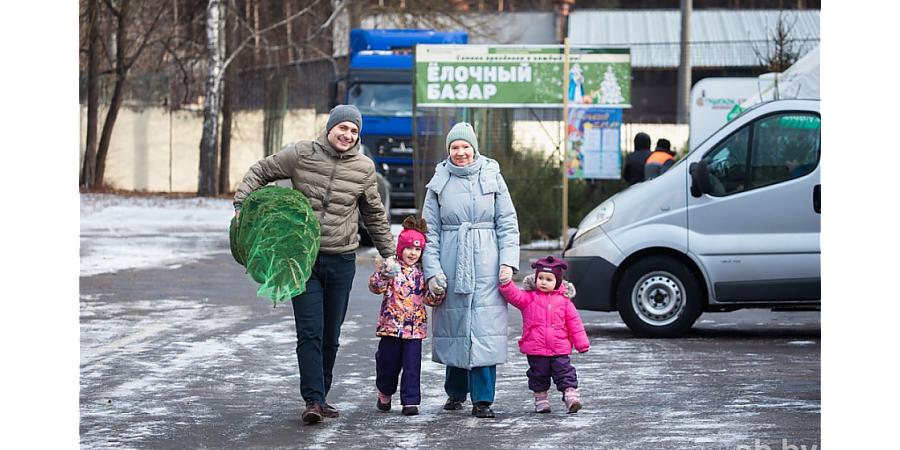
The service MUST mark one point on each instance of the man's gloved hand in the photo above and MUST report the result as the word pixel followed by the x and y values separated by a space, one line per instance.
pixel 506 274
pixel 437 284
pixel 390 268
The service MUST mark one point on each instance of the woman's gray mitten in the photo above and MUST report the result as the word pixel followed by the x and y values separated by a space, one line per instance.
pixel 505 274
pixel 437 284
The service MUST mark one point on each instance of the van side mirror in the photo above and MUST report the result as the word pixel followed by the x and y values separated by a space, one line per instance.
pixel 700 179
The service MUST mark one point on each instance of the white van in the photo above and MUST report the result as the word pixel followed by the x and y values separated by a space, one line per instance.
pixel 735 224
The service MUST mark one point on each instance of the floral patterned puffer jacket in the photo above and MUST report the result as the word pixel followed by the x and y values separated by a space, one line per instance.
pixel 403 313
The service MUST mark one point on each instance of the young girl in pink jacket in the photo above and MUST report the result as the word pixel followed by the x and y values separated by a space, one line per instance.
pixel 550 327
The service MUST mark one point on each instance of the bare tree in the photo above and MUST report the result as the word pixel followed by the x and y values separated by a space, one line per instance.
pixel 132 38
pixel 227 109
pixel 780 49
pixel 217 64
pixel 207 185
pixel 90 150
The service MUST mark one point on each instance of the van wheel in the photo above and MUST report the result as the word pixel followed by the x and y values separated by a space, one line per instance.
pixel 659 297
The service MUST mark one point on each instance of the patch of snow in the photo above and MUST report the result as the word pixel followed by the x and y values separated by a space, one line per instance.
pixel 121 233
pixel 541 245
pixel 802 343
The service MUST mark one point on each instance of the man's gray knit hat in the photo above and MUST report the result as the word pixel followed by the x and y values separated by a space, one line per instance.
pixel 465 132
pixel 344 113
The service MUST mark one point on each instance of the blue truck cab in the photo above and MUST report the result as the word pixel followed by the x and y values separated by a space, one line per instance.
pixel 380 83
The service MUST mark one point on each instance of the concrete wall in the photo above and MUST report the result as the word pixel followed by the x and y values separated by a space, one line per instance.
pixel 156 150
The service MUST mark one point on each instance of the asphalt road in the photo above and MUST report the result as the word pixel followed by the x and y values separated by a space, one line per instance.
pixel 189 357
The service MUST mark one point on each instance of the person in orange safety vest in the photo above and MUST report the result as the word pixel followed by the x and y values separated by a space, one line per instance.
pixel 660 160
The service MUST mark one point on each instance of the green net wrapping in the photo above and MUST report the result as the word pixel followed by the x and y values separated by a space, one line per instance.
pixel 277 240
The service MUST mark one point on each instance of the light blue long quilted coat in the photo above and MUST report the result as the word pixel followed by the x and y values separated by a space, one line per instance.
pixel 472 230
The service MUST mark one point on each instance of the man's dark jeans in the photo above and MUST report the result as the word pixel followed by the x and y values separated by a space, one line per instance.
pixel 318 315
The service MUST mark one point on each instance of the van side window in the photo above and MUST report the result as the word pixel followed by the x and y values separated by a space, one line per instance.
pixel 785 146
pixel 728 164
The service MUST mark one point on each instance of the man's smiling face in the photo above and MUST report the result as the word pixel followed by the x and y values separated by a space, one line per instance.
pixel 343 136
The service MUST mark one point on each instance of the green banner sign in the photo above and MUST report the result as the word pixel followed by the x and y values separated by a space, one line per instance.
pixel 516 76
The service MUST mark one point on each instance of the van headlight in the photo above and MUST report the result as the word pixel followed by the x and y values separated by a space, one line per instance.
pixel 599 216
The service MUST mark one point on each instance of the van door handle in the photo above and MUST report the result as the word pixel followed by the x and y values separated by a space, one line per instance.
pixel 817 198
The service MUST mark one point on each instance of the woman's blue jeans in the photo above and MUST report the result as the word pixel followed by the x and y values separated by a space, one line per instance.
pixel 318 315
pixel 479 382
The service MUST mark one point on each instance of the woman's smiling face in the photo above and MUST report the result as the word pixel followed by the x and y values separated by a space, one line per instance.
pixel 461 153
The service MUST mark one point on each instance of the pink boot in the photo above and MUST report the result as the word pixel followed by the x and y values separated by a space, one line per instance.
pixel 541 402
pixel 573 400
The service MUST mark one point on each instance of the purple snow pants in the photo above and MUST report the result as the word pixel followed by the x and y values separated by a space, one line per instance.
pixel 542 368
pixel 393 355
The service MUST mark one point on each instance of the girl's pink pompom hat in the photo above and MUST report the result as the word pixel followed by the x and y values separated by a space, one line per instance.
pixel 413 234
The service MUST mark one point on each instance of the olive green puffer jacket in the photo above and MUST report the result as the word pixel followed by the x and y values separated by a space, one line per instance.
pixel 339 185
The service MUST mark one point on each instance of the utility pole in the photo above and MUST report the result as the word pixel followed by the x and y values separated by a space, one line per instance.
pixel 562 8
pixel 565 145
pixel 684 69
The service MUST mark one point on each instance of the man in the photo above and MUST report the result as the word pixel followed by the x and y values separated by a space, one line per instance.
pixel 633 172
pixel 660 160
pixel 340 184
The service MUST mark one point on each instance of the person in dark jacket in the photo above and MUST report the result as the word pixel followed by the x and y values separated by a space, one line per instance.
pixel 660 160
pixel 633 172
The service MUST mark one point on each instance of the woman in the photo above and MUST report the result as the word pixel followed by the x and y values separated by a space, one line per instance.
pixel 473 245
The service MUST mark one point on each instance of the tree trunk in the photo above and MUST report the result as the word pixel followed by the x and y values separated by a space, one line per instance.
pixel 108 124
pixel 118 94
pixel 90 149
pixel 227 113
pixel 227 118
pixel 207 185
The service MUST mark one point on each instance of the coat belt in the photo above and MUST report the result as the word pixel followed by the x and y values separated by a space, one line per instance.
pixel 465 254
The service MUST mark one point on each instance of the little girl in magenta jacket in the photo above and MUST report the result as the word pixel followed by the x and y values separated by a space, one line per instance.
pixel 550 328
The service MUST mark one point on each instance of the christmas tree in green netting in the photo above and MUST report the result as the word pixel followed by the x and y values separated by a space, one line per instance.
pixel 277 239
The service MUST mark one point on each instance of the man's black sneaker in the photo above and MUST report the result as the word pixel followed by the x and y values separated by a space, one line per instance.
pixel 410 411
pixel 454 403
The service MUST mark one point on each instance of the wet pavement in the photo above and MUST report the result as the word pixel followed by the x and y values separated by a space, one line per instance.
pixel 188 357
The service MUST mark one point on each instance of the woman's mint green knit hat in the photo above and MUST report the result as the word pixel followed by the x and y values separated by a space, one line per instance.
pixel 465 132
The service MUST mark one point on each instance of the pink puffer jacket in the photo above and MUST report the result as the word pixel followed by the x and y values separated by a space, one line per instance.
pixel 550 322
